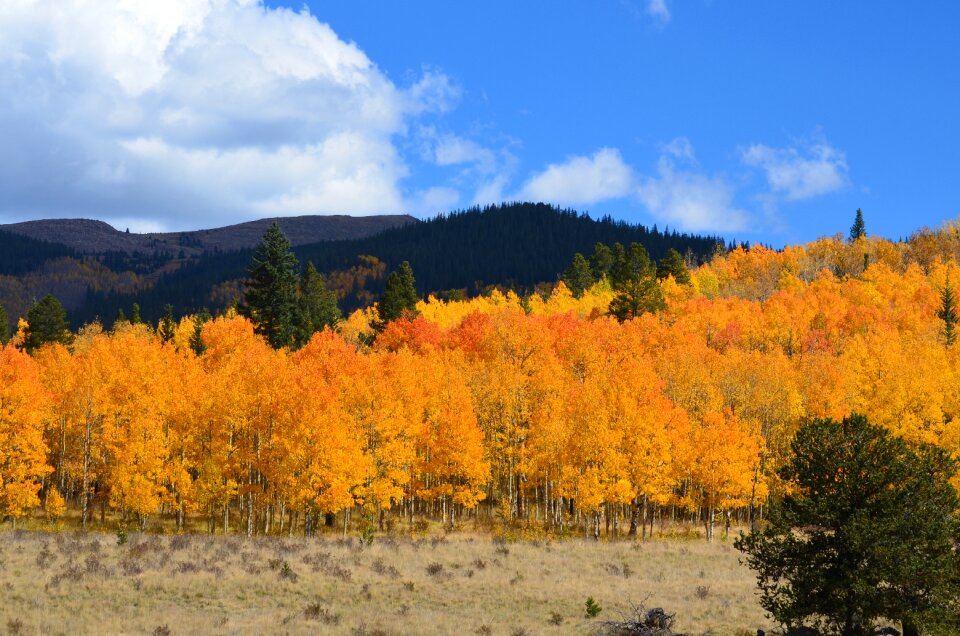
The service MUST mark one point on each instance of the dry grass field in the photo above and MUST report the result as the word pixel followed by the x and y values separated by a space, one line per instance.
pixel 67 583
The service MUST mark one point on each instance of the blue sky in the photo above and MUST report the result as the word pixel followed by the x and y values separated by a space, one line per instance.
pixel 769 121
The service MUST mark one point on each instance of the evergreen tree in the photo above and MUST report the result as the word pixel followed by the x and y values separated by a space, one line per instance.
pixel 619 268
pixel 271 290
pixel 167 328
pixel 636 297
pixel 672 265
pixel 121 318
pixel 4 326
pixel 868 530
pixel 858 229
pixel 601 261
pixel 948 312
pixel 317 306
pixel 634 280
pixel 135 314
pixel 578 276
pixel 399 295
pixel 46 323
pixel 630 265
pixel 196 338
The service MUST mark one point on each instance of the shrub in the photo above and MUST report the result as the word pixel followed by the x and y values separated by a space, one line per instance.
pixel 591 608
pixel 317 612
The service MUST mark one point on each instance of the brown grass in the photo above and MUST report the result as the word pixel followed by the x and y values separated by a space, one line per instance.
pixel 462 584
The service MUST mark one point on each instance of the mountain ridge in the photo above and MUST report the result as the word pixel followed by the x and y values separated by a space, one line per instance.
pixel 92 236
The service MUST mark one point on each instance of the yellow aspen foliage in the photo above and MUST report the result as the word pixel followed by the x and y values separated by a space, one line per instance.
pixel 54 505
pixel 23 452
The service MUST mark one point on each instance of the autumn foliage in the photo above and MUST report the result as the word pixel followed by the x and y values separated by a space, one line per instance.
pixel 542 410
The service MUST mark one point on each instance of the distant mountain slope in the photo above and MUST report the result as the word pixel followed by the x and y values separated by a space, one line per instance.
pixel 20 254
pixel 512 245
pixel 96 237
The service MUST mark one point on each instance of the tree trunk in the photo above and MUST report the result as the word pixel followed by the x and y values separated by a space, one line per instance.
pixel 85 497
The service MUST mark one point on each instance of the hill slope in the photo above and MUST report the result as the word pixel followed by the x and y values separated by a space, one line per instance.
pixel 515 245
pixel 96 237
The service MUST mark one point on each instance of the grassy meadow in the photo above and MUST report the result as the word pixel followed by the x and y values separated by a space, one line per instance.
pixel 88 583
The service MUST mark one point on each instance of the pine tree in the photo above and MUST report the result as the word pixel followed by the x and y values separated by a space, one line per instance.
pixel 196 338
pixel 672 265
pixel 619 266
pixel 135 314
pixel 578 276
pixel 399 295
pixel 120 319
pixel 270 296
pixel 46 323
pixel 634 280
pixel 4 326
pixel 167 328
pixel 858 230
pixel 317 306
pixel 601 261
pixel 948 312
pixel 637 297
pixel 630 265
pixel 868 530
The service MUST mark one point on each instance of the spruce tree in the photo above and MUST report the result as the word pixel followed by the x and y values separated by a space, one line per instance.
pixel 317 306
pixel 120 319
pixel 4 326
pixel 672 265
pixel 601 261
pixel 271 290
pixel 948 312
pixel 399 295
pixel 578 276
pixel 167 328
pixel 868 530
pixel 196 338
pixel 46 323
pixel 858 230
pixel 135 314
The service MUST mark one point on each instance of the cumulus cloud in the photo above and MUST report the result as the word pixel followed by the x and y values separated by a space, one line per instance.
pixel 196 112
pixel 582 180
pixel 688 199
pixel 799 173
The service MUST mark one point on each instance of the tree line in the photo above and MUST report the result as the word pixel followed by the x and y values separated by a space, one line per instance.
pixel 545 410
pixel 510 246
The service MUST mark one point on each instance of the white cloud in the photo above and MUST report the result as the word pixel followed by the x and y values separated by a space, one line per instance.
pixel 658 10
pixel 491 191
pixel 434 200
pixel 680 148
pixel 451 150
pixel 582 180
pixel 800 173
pixel 689 200
pixel 196 111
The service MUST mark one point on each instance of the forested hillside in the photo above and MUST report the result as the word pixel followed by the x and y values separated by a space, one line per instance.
pixel 20 254
pixel 513 246
pixel 544 411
